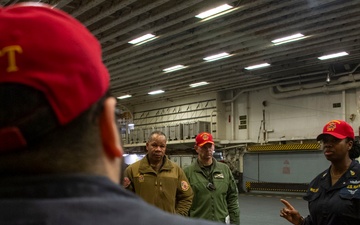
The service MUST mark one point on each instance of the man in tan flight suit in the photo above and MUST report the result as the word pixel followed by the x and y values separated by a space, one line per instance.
pixel 158 180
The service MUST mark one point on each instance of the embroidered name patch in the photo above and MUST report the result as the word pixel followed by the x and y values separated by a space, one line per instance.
pixel 219 176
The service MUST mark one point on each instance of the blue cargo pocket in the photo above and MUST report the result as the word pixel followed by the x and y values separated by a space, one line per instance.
pixel 351 197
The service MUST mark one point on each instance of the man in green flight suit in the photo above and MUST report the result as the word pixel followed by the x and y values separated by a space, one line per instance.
pixel 215 190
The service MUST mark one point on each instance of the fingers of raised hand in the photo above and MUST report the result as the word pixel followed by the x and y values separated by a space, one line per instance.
pixel 284 212
pixel 287 204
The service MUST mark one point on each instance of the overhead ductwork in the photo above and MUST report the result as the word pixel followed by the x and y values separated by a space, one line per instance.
pixel 341 84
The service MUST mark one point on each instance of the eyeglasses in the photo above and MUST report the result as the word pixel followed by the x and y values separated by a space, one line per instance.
pixel 211 187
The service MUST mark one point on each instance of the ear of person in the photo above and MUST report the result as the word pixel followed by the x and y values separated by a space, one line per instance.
pixel 109 132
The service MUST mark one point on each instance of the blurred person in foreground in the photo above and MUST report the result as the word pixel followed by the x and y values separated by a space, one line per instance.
pixel 158 180
pixel 60 153
pixel 215 190
pixel 334 195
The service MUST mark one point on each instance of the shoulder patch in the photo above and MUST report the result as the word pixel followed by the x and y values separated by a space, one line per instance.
pixel 184 185
pixel 126 182
pixel 141 178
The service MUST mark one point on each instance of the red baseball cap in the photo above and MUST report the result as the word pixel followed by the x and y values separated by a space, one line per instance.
pixel 337 128
pixel 203 138
pixel 48 50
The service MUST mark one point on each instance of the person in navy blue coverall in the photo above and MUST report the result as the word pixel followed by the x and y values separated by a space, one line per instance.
pixel 334 195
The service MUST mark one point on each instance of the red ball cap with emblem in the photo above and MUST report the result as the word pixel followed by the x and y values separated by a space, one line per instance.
pixel 337 128
pixel 48 50
pixel 203 138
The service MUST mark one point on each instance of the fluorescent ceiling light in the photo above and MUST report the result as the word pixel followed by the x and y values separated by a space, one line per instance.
pixel 333 55
pixel 174 68
pixel 217 57
pixel 124 96
pixel 142 39
pixel 156 92
pixel 199 84
pixel 257 66
pixel 214 11
pixel 294 37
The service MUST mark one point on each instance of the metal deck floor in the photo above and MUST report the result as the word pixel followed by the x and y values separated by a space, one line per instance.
pixel 260 209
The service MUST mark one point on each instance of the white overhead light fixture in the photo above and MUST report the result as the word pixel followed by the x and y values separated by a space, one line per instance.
pixel 124 96
pixel 156 92
pixel 174 68
pixel 217 57
pixel 199 84
pixel 214 11
pixel 335 55
pixel 257 66
pixel 142 39
pixel 294 37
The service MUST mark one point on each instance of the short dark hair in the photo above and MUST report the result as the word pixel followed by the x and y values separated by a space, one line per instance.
pixel 354 152
pixel 74 147
pixel 158 132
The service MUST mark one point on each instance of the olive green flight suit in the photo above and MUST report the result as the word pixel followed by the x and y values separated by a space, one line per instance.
pixel 217 201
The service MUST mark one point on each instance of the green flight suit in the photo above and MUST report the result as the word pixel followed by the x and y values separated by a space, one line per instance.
pixel 167 189
pixel 213 204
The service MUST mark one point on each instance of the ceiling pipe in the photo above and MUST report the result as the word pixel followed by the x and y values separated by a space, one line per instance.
pixel 247 90
pixel 324 89
pixel 350 78
pixel 340 80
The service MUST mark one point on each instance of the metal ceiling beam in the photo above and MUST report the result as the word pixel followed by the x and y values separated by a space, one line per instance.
pixel 241 35
pixel 185 42
pixel 62 3
pixel 108 12
pixel 122 19
pixel 325 36
pixel 85 8
pixel 132 27
pixel 169 34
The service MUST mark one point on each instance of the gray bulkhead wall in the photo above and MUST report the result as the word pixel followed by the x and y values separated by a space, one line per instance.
pixel 287 120
pixel 283 167
pixel 290 119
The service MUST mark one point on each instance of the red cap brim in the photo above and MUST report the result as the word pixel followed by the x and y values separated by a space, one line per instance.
pixel 202 144
pixel 321 136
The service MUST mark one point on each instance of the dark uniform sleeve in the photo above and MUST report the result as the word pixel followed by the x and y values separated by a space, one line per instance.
pixel 184 194
pixel 128 179
pixel 307 221
pixel 233 201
